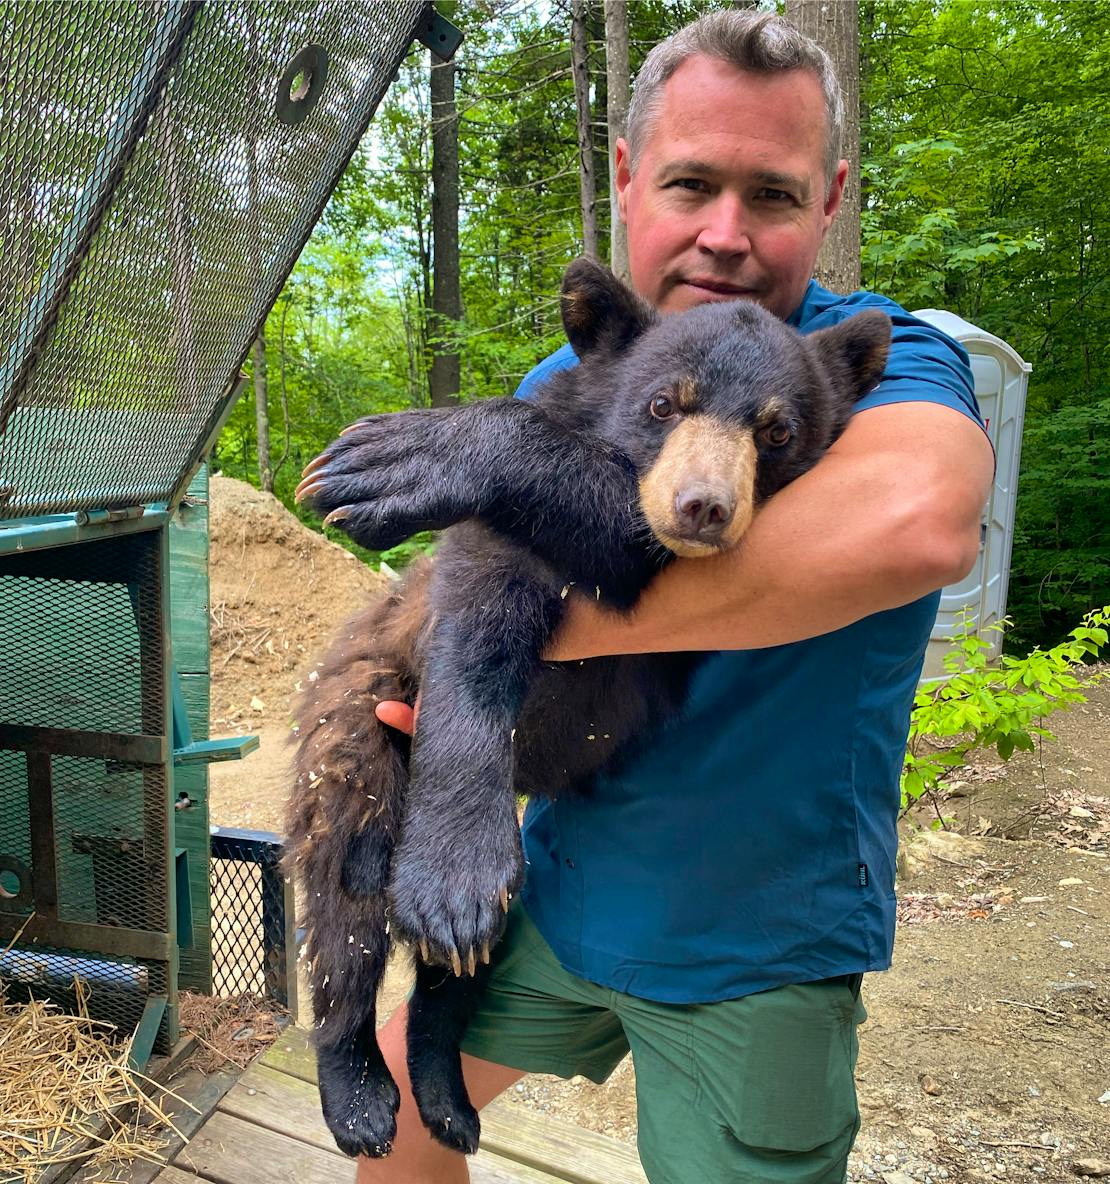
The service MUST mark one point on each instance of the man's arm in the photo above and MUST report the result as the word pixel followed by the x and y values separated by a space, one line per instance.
pixel 890 513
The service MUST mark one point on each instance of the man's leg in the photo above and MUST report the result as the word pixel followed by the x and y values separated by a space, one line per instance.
pixel 757 1090
pixel 532 1014
pixel 416 1157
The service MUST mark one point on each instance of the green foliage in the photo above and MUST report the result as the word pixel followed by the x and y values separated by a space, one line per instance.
pixel 1004 707
pixel 985 137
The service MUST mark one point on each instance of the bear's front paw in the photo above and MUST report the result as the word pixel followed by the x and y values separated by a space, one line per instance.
pixel 451 899
pixel 386 478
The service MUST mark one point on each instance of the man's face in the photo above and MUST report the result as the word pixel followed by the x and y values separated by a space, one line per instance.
pixel 728 198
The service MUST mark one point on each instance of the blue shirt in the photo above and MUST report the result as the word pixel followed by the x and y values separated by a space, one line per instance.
pixel 753 843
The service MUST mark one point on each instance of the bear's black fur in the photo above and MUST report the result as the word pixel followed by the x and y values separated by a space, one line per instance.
pixel 662 440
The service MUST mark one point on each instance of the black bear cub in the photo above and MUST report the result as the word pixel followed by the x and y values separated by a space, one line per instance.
pixel 662 441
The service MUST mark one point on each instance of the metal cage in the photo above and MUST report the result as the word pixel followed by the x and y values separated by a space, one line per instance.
pixel 161 166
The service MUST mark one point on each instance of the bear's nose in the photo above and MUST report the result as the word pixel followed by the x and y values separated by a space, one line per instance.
pixel 702 512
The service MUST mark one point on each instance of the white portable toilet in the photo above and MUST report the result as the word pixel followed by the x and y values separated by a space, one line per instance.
pixel 1001 381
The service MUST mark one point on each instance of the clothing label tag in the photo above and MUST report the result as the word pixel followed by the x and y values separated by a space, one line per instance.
pixel 861 875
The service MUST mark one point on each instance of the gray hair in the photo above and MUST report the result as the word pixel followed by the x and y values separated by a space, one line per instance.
pixel 757 41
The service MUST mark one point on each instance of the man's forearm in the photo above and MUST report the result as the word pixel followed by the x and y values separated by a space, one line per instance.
pixel 845 540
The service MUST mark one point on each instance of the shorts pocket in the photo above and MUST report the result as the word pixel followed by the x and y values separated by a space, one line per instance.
pixel 779 1066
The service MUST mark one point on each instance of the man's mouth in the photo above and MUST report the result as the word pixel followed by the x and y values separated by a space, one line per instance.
pixel 721 289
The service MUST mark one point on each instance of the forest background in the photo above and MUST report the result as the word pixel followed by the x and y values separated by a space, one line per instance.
pixel 984 185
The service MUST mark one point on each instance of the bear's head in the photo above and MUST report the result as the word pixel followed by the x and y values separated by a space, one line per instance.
pixel 717 407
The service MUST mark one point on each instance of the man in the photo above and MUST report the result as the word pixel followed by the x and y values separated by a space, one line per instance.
pixel 714 908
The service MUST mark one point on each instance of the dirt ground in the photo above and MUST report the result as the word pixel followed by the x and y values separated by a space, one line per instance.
pixel 986 1055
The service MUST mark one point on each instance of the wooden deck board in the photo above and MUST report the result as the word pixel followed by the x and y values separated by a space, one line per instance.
pixel 568 1152
pixel 290 1106
pixel 268 1129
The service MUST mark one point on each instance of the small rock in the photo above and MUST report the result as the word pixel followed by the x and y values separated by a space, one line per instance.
pixel 1070 882
pixel 924 1135
pixel 929 1085
pixel 1091 1167
pixel 257 704
pixel 897 1178
pixel 1048 1139
pixel 1080 812
pixel 1033 900
pixel 1105 1098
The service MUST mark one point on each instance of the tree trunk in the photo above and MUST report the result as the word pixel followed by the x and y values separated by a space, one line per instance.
pixel 617 91
pixel 262 413
pixel 834 25
pixel 598 109
pixel 446 294
pixel 579 50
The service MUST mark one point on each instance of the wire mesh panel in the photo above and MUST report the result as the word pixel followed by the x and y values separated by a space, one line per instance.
pixel 76 610
pixel 84 760
pixel 161 166
pixel 15 834
pixel 112 990
pixel 252 917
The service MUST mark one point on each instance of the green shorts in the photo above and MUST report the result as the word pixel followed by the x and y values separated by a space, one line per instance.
pixel 758 1090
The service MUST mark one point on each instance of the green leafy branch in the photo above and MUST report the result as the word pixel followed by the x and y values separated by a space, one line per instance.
pixel 1004 707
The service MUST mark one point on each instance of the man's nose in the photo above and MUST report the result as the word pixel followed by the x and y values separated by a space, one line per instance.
pixel 725 231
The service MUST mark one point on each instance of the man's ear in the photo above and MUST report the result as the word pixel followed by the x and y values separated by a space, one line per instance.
pixel 599 310
pixel 854 352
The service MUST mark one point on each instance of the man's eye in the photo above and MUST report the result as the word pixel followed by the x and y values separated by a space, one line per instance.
pixel 661 407
pixel 775 195
pixel 776 435
pixel 693 184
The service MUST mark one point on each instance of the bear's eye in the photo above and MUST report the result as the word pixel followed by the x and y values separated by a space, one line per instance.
pixel 776 435
pixel 661 407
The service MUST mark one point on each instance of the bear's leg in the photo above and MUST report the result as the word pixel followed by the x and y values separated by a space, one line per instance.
pixel 343 857
pixel 501 460
pixel 459 858
pixel 348 947
pixel 358 1095
pixel 439 1011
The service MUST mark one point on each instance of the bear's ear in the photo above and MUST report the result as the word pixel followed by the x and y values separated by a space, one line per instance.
pixel 599 310
pixel 854 352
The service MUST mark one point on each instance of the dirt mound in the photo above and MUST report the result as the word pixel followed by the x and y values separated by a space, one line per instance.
pixel 278 593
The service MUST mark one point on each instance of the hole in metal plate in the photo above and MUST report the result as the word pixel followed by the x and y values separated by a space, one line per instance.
pixel 301 85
